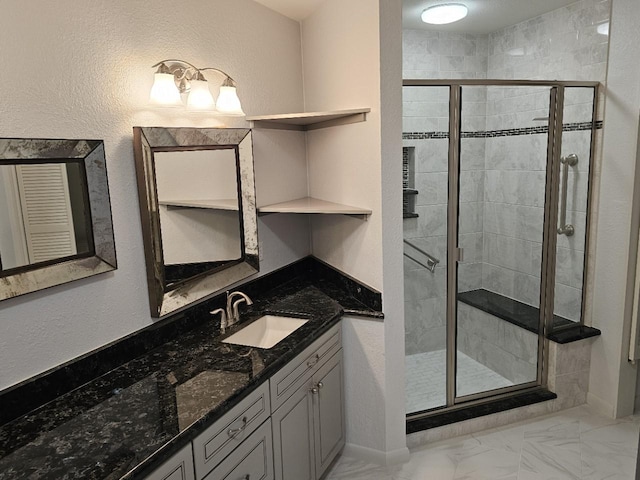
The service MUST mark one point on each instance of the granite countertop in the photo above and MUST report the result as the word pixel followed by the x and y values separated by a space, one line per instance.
pixel 126 422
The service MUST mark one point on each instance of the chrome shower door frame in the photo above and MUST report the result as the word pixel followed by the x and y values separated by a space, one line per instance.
pixel 549 241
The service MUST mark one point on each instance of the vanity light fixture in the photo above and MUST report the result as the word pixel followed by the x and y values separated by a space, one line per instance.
pixel 444 13
pixel 176 77
pixel 603 28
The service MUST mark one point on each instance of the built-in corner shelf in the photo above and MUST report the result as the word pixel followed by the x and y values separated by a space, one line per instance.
pixel 312 205
pixel 309 120
pixel 230 204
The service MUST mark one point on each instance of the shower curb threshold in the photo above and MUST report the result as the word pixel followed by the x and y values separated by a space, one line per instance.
pixel 480 410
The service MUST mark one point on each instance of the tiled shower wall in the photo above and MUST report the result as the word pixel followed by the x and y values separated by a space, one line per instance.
pixel 426 112
pixel 502 178
pixel 563 44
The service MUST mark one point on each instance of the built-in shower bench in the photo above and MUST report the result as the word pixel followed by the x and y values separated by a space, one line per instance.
pixel 566 376
pixel 524 316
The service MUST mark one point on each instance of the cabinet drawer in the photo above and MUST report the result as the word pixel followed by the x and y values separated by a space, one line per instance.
pixel 287 380
pixel 220 439
pixel 253 460
pixel 178 467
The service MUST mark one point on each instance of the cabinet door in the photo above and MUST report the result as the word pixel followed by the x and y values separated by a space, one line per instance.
pixel 178 467
pixel 328 413
pixel 293 437
pixel 220 439
pixel 252 460
pixel 298 371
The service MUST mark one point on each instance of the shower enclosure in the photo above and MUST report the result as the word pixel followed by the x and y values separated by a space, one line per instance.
pixel 496 202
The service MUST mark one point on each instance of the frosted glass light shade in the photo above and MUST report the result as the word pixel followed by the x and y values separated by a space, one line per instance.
pixel 444 13
pixel 164 91
pixel 200 97
pixel 603 28
pixel 228 102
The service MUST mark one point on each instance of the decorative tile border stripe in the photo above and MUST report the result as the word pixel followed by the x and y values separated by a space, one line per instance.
pixel 567 127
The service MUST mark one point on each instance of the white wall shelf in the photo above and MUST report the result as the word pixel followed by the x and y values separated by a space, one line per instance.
pixel 309 120
pixel 313 205
pixel 230 204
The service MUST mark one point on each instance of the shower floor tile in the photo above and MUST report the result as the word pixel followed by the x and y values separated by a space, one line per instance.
pixel 426 379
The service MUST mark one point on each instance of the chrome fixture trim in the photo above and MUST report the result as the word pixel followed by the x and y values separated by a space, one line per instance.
pixel 495 83
pixel 233 315
pixel 549 236
pixel 564 228
pixel 586 271
pixel 496 391
pixel 472 402
pixel 184 72
pixel 223 318
pixel 431 261
pixel 455 127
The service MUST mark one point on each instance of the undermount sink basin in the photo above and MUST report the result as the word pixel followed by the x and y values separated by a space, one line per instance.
pixel 266 331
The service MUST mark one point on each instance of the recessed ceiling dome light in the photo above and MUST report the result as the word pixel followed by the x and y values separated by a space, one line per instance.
pixel 444 13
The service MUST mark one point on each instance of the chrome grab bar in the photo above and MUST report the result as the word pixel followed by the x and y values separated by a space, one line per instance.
pixel 564 228
pixel 429 264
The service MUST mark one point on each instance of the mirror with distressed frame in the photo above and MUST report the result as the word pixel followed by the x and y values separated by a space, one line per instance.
pixel 55 213
pixel 198 209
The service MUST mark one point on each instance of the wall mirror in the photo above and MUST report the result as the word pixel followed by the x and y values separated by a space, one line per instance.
pixel 55 213
pixel 198 211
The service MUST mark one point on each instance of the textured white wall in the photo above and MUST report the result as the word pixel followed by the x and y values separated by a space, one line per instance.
pixel 392 259
pixel 352 58
pixel 612 378
pixel 82 70
pixel 342 70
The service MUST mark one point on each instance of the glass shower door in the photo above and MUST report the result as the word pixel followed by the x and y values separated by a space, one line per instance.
pixel 425 173
pixel 573 205
pixel 503 162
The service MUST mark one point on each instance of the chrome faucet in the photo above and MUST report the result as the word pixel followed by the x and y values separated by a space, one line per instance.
pixel 231 315
pixel 232 307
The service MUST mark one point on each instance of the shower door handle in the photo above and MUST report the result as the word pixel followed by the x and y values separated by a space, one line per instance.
pixel 564 228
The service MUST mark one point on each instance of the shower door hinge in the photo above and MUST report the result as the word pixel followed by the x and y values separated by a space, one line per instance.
pixel 460 254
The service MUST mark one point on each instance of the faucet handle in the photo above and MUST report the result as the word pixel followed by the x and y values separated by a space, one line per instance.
pixel 223 318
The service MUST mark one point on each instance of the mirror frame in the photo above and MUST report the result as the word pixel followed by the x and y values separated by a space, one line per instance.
pixel 102 258
pixel 147 141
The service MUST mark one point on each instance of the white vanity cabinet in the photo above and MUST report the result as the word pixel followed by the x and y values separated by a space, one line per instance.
pixel 223 437
pixel 289 428
pixel 240 441
pixel 178 467
pixel 252 460
pixel 308 416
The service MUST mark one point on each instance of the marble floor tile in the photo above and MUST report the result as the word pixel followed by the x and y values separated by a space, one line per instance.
pixel 540 460
pixel 559 436
pixel 575 444
pixel 351 469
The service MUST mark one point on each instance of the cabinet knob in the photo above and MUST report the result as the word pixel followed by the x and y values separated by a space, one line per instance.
pixel 233 431
pixel 313 361
pixel 247 477
pixel 320 385
pixel 314 390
